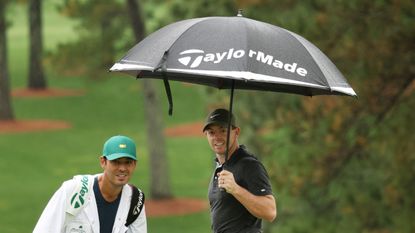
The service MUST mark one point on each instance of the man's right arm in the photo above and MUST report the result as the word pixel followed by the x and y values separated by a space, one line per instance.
pixel 263 207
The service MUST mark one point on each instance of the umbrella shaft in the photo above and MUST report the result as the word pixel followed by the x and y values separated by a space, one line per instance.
pixel 229 122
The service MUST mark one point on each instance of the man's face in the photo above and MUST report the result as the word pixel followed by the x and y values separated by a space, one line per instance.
pixel 216 136
pixel 118 171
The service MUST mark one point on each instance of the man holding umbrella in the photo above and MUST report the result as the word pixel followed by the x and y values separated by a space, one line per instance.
pixel 240 194
pixel 234 53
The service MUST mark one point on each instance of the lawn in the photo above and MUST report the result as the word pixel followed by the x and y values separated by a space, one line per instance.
pixel 35 164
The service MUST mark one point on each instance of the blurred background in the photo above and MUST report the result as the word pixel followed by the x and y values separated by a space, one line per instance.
pixel 337 164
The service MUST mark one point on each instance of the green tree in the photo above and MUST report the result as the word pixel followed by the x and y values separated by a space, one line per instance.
pixel 159 183
pixel 102 32
pixel 106 31
pixel 340 164
pixel 162 12
pixel 337 164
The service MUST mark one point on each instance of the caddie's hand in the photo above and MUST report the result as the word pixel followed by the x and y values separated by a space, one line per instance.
pixel 227 181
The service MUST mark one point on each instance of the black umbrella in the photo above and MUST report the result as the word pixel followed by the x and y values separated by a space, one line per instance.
pixel 234 52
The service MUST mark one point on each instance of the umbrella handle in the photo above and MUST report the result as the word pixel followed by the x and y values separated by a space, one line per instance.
pixel 228 133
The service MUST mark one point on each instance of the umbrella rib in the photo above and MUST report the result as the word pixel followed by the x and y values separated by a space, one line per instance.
pixel 198 20
pixel 300 39
pixel 245 76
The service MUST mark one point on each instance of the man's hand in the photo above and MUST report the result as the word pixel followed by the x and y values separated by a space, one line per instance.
pixel 260 206
pixel 227 181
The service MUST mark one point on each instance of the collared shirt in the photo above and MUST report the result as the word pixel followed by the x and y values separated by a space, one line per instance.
pixel 227 213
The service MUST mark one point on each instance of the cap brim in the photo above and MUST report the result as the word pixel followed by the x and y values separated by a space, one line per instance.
pixel 223 124
pixel 120 155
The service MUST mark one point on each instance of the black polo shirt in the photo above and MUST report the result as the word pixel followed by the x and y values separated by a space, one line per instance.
pixel 227 214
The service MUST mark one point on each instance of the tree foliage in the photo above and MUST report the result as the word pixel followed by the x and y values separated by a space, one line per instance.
pixel 103 29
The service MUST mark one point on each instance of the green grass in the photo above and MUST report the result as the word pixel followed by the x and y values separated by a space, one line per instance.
pixel 35 164
pixel 195 223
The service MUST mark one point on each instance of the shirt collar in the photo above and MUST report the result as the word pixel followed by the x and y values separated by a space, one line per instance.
pixel 236 156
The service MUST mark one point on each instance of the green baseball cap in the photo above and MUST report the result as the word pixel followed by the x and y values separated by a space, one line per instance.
pixel 119 147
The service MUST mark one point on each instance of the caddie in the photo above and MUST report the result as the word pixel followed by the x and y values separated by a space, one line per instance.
pixel 100 203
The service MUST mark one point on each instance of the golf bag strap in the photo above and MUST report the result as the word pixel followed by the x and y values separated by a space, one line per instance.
pixel 136 205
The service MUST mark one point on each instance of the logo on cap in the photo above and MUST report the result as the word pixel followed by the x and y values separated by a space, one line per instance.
pixel 123 146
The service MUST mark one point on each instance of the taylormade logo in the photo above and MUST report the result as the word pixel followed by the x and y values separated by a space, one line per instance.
pixel 139 203
pixel 194 57
pixel 77 202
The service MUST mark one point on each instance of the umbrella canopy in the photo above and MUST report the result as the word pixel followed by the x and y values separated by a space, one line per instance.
pixel 235 51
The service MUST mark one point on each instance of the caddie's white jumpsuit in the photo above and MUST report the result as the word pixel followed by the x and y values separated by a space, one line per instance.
pixel 55 218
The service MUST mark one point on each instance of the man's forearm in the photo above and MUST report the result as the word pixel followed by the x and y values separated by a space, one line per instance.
pixel 263 207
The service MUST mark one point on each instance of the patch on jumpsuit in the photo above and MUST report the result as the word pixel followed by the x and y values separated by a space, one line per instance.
pixel 78 227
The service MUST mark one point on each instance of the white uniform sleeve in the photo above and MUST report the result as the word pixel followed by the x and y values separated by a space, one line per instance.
pixel 140 224
pixel 53 217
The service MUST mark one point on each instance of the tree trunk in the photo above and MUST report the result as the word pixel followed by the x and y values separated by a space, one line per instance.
pixel 6 112
pixel 36 76
pixel 160 182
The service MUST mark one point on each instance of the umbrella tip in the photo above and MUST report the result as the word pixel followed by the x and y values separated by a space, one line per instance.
pixel 239 13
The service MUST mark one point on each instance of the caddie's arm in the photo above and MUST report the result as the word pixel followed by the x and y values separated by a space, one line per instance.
pixel 53 216
pixel 140 224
